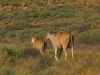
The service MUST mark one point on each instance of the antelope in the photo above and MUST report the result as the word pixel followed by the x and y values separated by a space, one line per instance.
pixel 39 44
pixel 61 41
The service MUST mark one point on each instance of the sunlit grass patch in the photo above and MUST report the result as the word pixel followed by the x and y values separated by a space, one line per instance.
pixel 6 70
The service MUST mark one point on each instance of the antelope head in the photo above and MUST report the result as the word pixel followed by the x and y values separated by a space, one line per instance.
pixel 33 39
pixel 49 32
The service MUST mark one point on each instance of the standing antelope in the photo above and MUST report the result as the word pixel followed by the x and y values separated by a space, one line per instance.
pixel 61 40
pixel 39 44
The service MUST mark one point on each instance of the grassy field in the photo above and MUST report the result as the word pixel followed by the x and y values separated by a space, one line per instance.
pixel 21 19
pixel 13 61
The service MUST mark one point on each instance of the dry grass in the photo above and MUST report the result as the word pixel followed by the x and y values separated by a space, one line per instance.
pixel 85 62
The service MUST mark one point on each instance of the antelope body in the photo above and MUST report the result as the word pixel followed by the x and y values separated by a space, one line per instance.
pixel 39 44
pixel 61 40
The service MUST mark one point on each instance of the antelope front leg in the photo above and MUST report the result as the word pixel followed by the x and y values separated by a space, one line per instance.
pixel 56 54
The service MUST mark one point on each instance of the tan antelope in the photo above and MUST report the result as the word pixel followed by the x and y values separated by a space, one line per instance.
pixel 39 44
pixel 61 40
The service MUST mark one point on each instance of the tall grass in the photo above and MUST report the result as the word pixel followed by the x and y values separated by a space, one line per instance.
pixel 84 63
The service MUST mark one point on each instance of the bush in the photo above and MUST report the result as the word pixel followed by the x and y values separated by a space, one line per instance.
pixel 41 33
pixel 97 8
pixel 47 14
pixel 90 36
pixel 3 31
pixel 22 24
pixel 43 63
pixel 9 54
pixel 93 19
pixel 5 2
pixel 31 52
pixel 7 71
pixel 58 12
pixel 26 14
pixel 3 15
pixel 24 34
pixel 11 50
pixel 67 14
pixel 10 34
pixel 48 72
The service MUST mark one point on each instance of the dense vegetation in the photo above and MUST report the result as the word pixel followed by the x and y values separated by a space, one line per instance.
pixel 21 19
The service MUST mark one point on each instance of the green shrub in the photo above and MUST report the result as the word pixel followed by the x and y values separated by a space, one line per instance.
pixel 90 36
pixel 97 8
pixel 3 31
pixel 10 34
pixel 46 14
pixel 31 52
pixel 5 3
pixel 48 72
pixel 66 13
pixel 3 15
pixel 31 13
pixel 9 55
pixel 20 15
pixel 24 34
pixel 11 50
pixel 7 71
pixel 10 71
pixel 22 24
pixel 26 14
pixel 41 33
pixel 93 19
pixel 43 63
pixel 59 13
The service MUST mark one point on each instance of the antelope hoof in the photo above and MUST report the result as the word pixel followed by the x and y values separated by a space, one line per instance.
pixel 57 59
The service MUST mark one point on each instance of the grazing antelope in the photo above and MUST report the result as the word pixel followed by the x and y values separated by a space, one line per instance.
pixel 61 41
pixel 39 44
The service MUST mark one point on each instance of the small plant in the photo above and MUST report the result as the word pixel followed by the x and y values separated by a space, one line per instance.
pixel 48 72
pixel 24 34
pixel 22 24
pixel 11 50
pixel 93 20
pixel 90 37
pixel 3 31
pixel 3 15
pixel 44 63
pixel 7 71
